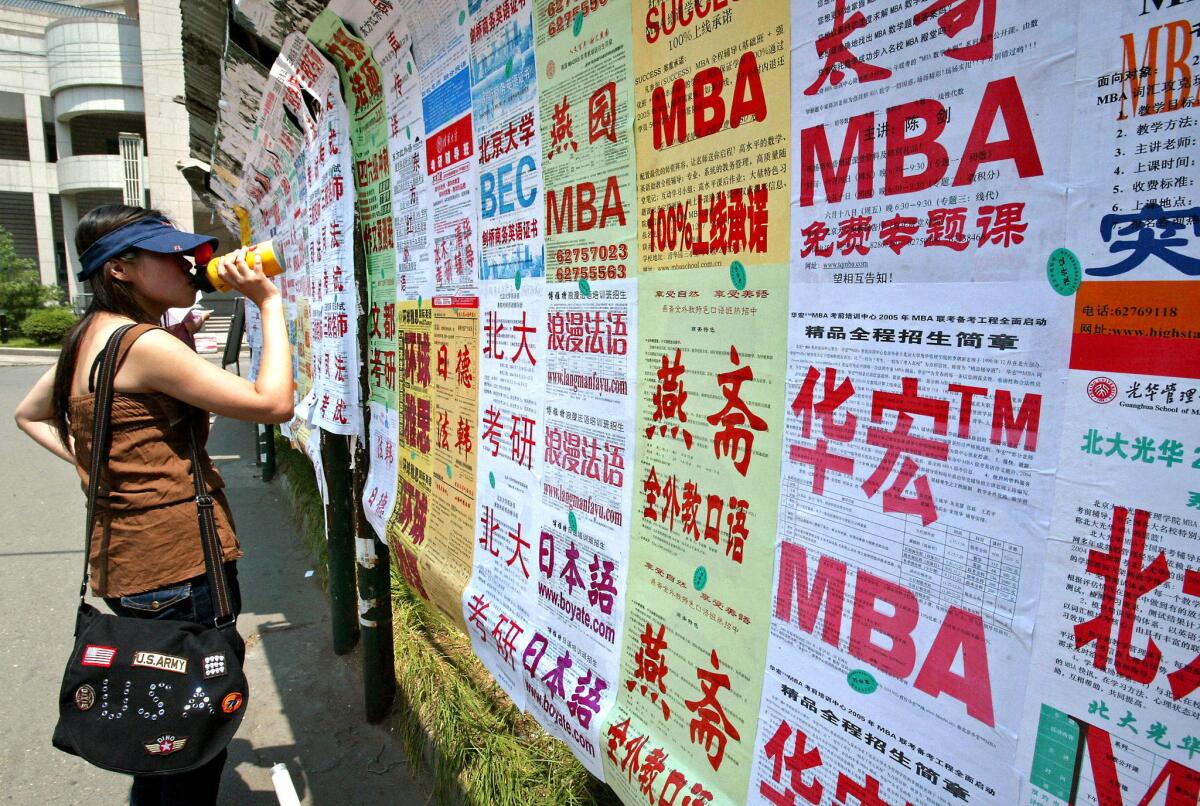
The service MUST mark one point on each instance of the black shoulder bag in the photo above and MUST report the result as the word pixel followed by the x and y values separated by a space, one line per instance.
pixel 144 696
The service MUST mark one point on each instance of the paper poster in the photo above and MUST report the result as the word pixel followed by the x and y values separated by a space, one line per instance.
pixel 242 82
pixel 412 191
pixel 510 438
pixel 929 136
pixel 274 186
pixel 384 369
pixel 1135 211
pixel 913 513
pixel 379 490
pixel 300 335
pixel 362 86
pixel 585 82
pixel 314 98
pixel 253 335
pixel 504 110
pixel 1114 704
pixel 1113 708
pixel 385 28
pixel 276 213
pixel 711 361
pixel 571 662
pixel 711 124
pixel 274 21
pixel 308 440
pixel 410 522
pixel 442 52
pixel 895 504
pixel 449 547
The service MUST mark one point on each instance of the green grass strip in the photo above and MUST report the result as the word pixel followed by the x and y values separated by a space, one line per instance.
pixel 450 714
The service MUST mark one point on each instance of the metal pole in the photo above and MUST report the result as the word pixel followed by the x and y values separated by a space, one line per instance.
pixel 339 532
pixel 374 577
pixel 374 607
pixel 268 465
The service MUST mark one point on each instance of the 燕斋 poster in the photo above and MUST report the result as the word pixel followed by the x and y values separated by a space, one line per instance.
pixel 711 361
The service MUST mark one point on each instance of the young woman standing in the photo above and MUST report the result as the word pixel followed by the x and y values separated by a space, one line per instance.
pixel 146 558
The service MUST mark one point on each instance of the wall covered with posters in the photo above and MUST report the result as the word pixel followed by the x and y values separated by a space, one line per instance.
pixel 794 402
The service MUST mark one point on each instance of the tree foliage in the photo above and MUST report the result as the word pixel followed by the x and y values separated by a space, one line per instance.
pixel 21 290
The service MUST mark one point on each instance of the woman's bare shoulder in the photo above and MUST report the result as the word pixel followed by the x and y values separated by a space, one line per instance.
pixel 95 335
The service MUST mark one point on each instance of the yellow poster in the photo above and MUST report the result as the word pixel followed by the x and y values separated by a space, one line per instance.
pixel 711 127
pixel 711 368
pixel 449 547
pixel 407 530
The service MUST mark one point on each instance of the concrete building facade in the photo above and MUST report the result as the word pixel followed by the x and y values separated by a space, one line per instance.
pixel 91 112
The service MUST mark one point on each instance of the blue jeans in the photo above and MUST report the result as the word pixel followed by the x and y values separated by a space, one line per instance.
pixel 190 600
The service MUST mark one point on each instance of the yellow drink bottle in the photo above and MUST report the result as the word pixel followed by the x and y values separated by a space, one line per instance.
pixel 265 251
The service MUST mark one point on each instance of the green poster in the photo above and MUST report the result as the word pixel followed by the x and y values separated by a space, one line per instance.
pixel 362 88
pixel 711 367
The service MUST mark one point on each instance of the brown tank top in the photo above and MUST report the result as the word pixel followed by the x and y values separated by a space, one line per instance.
pixel 147 534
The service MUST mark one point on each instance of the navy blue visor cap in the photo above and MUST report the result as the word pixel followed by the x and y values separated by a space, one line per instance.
pixel 149 234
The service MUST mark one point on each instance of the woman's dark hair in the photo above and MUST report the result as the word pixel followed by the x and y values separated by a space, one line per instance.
pixel 109 295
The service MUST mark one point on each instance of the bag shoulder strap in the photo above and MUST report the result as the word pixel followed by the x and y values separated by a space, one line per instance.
pixel 101 428
pixel 210 540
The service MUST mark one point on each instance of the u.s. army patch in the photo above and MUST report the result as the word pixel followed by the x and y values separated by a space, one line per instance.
pixel 166 663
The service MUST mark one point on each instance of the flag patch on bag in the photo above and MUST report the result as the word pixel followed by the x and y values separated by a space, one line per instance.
pixel 214 665
pixel 96 655
pixel 166 663
pixel 166 745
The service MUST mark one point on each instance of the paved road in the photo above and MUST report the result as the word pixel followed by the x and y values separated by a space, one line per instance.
pixel 306 709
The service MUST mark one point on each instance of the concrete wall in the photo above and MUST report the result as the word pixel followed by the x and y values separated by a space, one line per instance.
pixel 167 124
pixel 85 79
